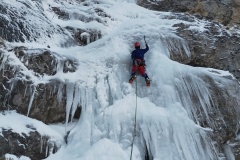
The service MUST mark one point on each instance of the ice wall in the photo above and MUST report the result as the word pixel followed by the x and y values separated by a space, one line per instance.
pixel 167 116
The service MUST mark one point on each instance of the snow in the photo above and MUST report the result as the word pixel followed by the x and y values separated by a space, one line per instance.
pixel 13 157
pixel 167 120
pixel 60 127
pixel 8 120
pixel 220 72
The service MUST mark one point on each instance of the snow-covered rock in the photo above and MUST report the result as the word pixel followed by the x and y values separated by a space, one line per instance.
pixel 20 135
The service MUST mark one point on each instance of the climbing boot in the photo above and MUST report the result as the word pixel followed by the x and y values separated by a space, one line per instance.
pixel 147 81
pixel 132 79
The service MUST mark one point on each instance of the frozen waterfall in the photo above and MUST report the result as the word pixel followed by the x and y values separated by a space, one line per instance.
pixel 167 115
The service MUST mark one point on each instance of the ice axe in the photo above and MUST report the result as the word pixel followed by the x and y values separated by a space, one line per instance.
pixel 144 39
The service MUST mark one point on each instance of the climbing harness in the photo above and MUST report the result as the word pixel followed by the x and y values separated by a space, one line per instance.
pixel 135 120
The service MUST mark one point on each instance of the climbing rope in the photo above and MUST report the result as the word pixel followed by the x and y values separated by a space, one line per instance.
pixel 135 120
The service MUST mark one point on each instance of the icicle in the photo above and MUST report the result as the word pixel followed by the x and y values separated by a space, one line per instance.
pixel 46 152
pixel 102 91
pixel 97 36
pixel 41 144
pixel 176 44
pixel 189 86
pixel 3 62
pixel 60 92
pixel 12 84
pixel 50 147
pixel 56 87
pixel 25 91
pixel 26 63
pixel 60 66
pixel 83 98
pixel 67 64
pixel 76 101
pixel 87 36
pixel 88 39
pixel 31 100
pixel 22 59
pixel 69 92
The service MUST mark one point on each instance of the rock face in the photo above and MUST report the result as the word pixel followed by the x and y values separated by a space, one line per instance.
pixel 46 101
pixel 223 118
pixel 226 12
pixel 32 145
pixel 42 61
pixel 22 25
pixel 226 114
pixel 14 25
pixel 215 48
pixel 83 36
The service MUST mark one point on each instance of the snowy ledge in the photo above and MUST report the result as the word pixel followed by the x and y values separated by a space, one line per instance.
pixel 17 130
pixel 26 125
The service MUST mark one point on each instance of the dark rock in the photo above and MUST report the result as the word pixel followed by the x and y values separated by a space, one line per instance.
pixel 44 61
pixel 221 113
pixel 6 73
pixel 4 146
pixel 213 48
pixel 2 44
pixel 225 115
pixel 16 28
pixel 45 105
pixel 225 12
pixel 101 12
pixel 33 145
pixel 45 102
pixel 61 14
pixel 85 36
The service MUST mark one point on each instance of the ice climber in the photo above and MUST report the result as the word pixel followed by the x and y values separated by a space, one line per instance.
pixel 138 62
